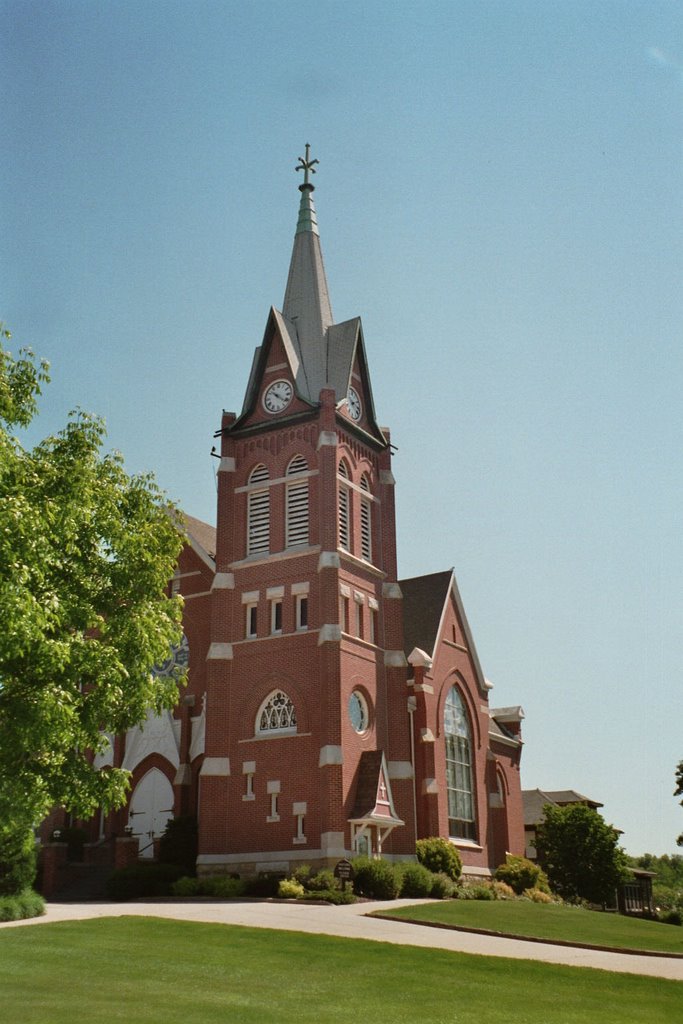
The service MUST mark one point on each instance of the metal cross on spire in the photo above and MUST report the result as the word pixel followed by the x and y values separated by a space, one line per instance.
pixel 306 164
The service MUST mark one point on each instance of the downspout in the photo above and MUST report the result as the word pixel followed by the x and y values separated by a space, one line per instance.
pixel 412 705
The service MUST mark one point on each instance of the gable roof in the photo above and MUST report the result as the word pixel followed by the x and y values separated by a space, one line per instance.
pixel 424 606
pixel 368 807
pixel 202 538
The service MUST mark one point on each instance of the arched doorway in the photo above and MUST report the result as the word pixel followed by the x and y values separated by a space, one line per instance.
pixel 151 806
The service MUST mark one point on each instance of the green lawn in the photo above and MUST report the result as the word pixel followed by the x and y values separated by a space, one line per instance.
pixel 572 924
pixel 152 971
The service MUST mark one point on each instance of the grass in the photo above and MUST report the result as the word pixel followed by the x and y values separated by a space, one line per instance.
pixel 150 970
pixel 572 924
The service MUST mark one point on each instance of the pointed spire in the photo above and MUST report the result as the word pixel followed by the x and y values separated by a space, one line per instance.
pixel 307 301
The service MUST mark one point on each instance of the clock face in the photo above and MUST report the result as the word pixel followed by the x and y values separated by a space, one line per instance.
pixel 353 404
pixel 278 396
pixel 177 661
pixel 358 712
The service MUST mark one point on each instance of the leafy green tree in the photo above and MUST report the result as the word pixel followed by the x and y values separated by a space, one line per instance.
pixel 580 853
pixel 86 553
pixel 679 792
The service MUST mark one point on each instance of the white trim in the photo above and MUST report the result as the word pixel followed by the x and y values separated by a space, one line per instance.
pixel 216 766
pixel 391 591
pixel 223 581
pixel 220 652
pixel 329 633
pixel 275 592
pixel 430 787
pixel 227 464
pixel 400 770
pixel 427 736
pixel 300 588
pixel 386 477
pixel 345 590
pixel 326 439
pixel 329 560
pixel 330 755
pixel 394 659
pixel 250 597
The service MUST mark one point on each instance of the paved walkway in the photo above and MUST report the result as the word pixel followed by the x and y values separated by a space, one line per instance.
pixel 351 922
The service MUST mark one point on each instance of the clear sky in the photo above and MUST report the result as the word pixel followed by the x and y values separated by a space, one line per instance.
pixel 499 198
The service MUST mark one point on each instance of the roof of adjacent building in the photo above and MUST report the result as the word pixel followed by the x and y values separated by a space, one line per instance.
pixel 201 533
pixel 534 801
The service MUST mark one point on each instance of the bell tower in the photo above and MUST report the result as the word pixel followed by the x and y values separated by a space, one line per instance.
pixel 307 747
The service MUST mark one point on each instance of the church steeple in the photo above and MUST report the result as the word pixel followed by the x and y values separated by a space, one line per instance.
pixel 307 300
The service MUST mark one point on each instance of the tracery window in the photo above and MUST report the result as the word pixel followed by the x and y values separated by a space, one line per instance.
pixel 258 512
pixel 365 520
pixel 461 822
pixel 276 714
pixel 297 503
pixel 344 507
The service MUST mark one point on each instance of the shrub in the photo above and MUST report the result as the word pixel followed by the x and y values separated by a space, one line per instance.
pixel 142 880
pixel 475 892
pixel 290 889
pixel 21 905
pixel 520 874
pixel 503 891
pixel 302 874
pixel 376 879
pixel 416 881
pixel 17 863
pixel 264 886
pixel 178 844
pixel 438 855
pixel 323 880
pixel 335 896
pixel 537 896
pixel 443 886
pixel 671 917
pixel 219 886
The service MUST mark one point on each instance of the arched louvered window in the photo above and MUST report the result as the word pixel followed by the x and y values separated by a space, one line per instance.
pixel 297 503
pixel 276 714
pixel 459 782
pixel 258 512
pixel 344 508
pixel 365 520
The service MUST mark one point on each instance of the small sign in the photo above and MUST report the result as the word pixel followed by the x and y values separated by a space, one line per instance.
pixel 343 870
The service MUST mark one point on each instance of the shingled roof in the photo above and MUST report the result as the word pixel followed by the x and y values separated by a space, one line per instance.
pixel 424 598
pixel 202 534
pixel 534 801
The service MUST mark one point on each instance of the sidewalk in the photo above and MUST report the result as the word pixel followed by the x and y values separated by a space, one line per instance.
pixel 351 922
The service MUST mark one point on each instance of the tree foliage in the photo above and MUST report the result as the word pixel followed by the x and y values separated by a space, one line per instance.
pixel 86 553
pixel 580 853
pixel 679 792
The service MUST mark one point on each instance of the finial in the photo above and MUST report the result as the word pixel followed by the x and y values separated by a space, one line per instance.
pixel 306 164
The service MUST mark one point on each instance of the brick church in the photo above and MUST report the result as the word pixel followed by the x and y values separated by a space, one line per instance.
pixel 331 708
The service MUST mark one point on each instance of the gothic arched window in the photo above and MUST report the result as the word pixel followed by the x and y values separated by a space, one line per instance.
pixel 258 512
pixel 297 503
pixel 344 508
pixel 365 520
pixel 276 714
pixel 459 783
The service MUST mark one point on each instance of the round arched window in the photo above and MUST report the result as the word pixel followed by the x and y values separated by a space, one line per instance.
pixel 358 711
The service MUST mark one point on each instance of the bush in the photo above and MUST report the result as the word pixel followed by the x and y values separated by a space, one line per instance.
pixel 671 917
pixel 335 896
pixel 503 891
pixel 290 889
pixel 443 886
pixel 375 879
pixel 475 892
pixel 263 886
pixel 323 880
pixel 142 880
pixel 438 855
pixel 302 874
pixel 219 886
pixel 17 863
pixel 520 874
pixel 537 896
pixel 21 905
pixel 416 881
pixel 178 844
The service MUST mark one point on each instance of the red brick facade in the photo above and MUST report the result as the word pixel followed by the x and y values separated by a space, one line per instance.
pixel 294 599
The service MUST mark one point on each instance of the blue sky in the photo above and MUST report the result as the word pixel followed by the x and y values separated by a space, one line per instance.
pixel 499 198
